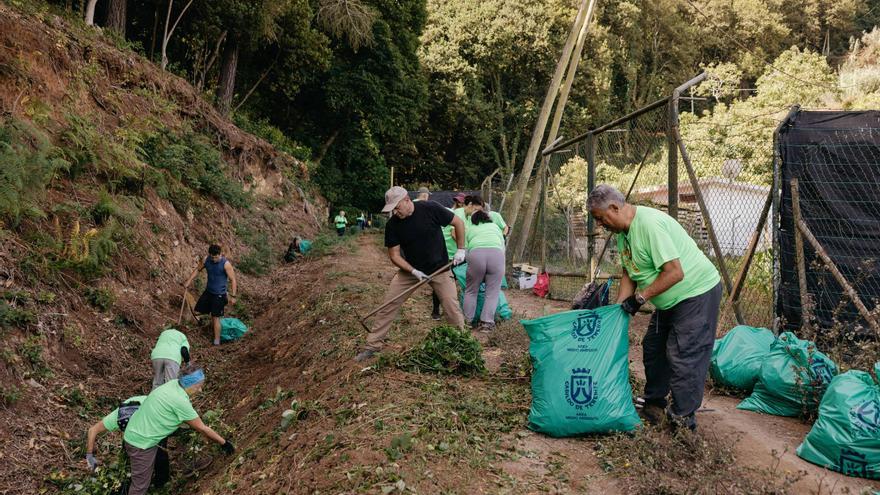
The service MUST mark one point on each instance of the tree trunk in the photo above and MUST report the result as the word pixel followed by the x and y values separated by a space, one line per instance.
pixel 226 85
pixel 117 16
pixel 90 12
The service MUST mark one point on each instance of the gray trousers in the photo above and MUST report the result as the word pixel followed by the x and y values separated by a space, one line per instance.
pixel 164 370
pixel 676 352
pixel 484 265
pixel 142 461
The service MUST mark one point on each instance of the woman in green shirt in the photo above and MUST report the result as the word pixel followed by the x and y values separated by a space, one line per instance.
pixel 340 222
pixel 485 259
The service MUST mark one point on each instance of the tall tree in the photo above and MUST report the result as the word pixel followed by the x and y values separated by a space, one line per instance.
pixel 117 16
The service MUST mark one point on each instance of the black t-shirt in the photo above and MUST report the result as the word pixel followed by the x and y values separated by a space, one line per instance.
pixel 419 236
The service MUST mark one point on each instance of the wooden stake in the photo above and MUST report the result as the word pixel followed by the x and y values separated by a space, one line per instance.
pixel 554 128
pixel 544 115
pixel 853 295
pixel 750 252
pixel 806 299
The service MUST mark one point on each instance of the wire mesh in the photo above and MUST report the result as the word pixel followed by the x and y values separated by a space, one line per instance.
pixel 838 197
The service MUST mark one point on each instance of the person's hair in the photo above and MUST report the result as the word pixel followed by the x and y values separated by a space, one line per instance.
pixel 214 249
pixel 604 195
pixel 474 199
pixel 479 217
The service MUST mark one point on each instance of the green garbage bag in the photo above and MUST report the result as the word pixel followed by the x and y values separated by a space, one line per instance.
pixel 231 329
pixel 737 357
pixel 580 382
pixel 846 437
pixel 305 246
pixel 793 378
pixel 503 310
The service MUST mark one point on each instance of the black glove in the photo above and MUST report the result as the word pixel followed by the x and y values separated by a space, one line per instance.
pixel 632 304
pixel 227 447
pixel 184 353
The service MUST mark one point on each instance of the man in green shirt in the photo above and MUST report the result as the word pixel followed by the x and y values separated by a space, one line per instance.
pixel 171 348
pixel 664 265
pixel 340 222
pixel 159 415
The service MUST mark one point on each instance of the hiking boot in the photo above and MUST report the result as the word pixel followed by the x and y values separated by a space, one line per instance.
pixel 435 315
pixel 677 422
pixel 652 411
pixel 364 355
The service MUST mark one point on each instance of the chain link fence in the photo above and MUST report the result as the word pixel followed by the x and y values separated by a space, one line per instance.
pixel 638 154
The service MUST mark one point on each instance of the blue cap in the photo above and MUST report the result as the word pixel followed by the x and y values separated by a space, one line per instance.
pixel 194 378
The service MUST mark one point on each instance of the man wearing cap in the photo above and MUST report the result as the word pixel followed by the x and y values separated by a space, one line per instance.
pixel 423 194
pixel 158 416
pixel 415 245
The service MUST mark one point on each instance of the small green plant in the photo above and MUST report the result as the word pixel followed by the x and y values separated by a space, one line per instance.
pixel 15 317
pixel 32 352
pixel 446 350
pixel 260 257
pixel 9 396
pixel 400 445
pixel 100 298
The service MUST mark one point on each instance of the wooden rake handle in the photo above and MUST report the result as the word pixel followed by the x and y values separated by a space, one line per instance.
pixel 408 291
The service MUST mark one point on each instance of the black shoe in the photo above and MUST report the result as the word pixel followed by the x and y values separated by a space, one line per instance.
pixel 435 315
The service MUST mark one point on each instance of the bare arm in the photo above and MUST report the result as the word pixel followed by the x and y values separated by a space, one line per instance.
pixel 505 231
pixel 230 272
pixel 670 274
pixel 198 425
pixel 458 226
pixel 95 430
pixel 396 258
pixel 195 274
pixel 627 287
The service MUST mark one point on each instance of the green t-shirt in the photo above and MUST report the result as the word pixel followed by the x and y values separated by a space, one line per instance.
pixel 655 238
pixel 498 220
pixel 451 244
pixel 159 415
pixel 169 344
pixel 484 235
pixel 340 221
pixel 459 212
pixel 110 420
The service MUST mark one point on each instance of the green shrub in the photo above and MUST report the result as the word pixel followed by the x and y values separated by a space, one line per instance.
pixel 89 150
pixel 29 163
pixel 9 396
pixel 102 299
pixel 262 128
pixel 32 352
pixel 192 160
pixel 15 317
pixel 260 258
pixel 446 350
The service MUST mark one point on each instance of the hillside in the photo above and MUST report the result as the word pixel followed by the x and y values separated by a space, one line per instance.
pixel 114 177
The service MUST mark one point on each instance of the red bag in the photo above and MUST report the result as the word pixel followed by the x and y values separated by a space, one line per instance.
pixel 542 286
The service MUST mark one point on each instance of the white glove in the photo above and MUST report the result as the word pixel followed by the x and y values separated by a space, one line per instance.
pixel 419 274
pixel 93 463
pixel 459 257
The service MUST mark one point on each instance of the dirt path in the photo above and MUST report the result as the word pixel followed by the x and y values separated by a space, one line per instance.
pixel 764 440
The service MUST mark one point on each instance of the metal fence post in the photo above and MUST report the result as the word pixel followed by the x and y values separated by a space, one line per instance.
pixel 591 183
pixel 672 150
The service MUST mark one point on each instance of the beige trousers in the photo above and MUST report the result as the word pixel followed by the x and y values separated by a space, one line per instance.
pixel 443 286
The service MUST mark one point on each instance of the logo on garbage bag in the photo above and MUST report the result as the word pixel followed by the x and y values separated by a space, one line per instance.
pixel 822 371
pixel 865 418
pixel 580 390
pixel 586 327
pixel 853 463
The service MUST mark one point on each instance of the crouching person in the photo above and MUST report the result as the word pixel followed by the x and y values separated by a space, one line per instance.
pixel 158 416
pixel 170 350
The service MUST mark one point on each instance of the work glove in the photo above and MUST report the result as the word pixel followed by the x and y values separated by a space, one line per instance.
pixel 459 257
pixel 227 447
pixel 93 463
pixel 184 353
pixel 419 275
pixel 632 303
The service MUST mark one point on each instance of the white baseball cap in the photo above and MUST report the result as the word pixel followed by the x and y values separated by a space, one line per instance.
pixel 392 197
